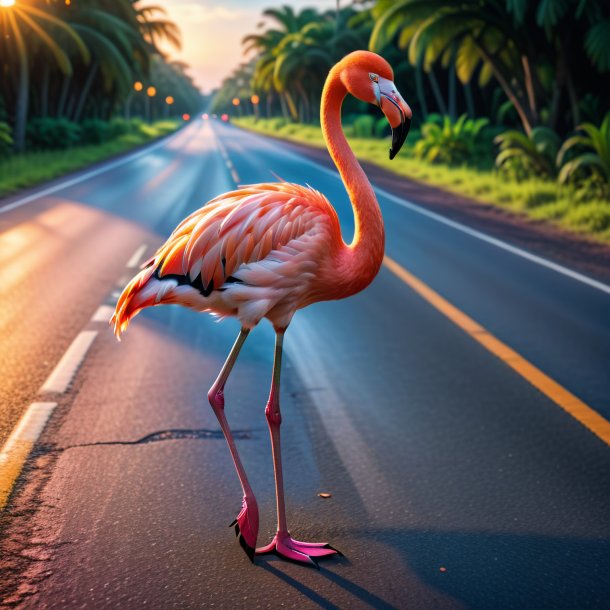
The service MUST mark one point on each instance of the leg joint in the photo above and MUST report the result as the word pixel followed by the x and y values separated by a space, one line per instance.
pixel 216 397
pixel 272 413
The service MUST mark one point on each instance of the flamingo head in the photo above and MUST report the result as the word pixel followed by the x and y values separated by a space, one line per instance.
pixel 369 77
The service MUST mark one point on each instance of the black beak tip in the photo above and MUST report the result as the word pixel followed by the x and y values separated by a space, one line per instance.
pixel 399 135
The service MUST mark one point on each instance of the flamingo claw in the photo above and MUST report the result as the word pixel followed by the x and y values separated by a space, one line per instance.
pixel 246 526
pixel 308 553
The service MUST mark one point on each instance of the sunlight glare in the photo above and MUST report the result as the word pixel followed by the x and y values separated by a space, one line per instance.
pixel 7 3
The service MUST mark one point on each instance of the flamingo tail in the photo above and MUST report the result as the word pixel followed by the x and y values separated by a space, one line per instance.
pixel 143 291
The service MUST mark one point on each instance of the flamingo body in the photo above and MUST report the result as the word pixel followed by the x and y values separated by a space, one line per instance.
pixel 264 250
pixel 267 250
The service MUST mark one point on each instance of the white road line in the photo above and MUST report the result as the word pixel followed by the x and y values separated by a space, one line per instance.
pixel 91 174
pixel 61 377
pixel 136 257
pixel 19 444
pixel 229 164
pixel 235 176
pixel 534 258
pixel 103 313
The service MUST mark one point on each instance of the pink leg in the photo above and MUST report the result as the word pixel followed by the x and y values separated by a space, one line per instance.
pixel 246 523
pixel 282 543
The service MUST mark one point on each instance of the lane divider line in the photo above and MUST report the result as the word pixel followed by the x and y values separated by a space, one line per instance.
pixel 19 444
pixel 235 176
pixel 103 314
pixel 61 377
pixel 563 398
pixel 136 257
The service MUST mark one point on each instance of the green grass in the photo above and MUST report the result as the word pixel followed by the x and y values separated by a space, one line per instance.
pixel 28 169
pixel 535 199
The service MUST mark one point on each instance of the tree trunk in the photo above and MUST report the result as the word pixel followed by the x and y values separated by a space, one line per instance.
pixel 510 93
pixel 85 92
pixel 269 98
pixel 283 105
pixel 452 92
pixel 529 87
pixel 419 86
pixel 573 101
pixel 469 101
pixel 44 96
pixel 304 101
pixel 65 87
pixel 436 90
pixel 21 112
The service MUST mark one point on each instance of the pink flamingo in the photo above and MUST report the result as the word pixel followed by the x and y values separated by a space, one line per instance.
pixel 266 250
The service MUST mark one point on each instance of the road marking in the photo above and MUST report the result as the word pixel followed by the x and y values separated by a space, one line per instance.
pixel 103 314
pixel 136 257
pixel 550 388
pixel 61 377
pixel 235 176
pixel 539 260
pixel 91 174
pixel 19 444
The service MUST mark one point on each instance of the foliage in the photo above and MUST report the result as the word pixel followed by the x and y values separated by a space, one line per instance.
pixel 47 134
pixel 532 50
pixel 6 141
pixel 534 198
pixel 522 156
pixel 28 169
pixel 589 159
pixel 364 126
pixel 450 142
pixel 80 60
pixel 95 131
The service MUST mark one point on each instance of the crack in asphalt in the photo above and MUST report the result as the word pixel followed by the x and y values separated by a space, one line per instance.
pixel 168 435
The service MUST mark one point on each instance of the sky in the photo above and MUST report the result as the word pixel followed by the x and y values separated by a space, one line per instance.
pixel 212 32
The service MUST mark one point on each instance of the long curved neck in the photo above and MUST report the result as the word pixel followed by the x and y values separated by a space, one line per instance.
pixel 360 260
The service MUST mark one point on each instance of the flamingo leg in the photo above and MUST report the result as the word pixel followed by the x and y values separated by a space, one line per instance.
pixel 246 523
pixel 283 544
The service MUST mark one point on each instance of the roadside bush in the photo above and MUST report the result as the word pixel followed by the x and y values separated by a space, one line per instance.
pixel 522 156
pixel 450 143
pixel 585 160
pixel 277 123
pixel 364 126
pixel 95 131
pixel 6 141
pixel 49 133
pixel 382 128
pixel 119 127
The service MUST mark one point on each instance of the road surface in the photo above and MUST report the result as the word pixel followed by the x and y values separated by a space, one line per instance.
pixel 454 482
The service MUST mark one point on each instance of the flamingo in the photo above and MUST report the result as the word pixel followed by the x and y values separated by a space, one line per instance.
pixel 267 250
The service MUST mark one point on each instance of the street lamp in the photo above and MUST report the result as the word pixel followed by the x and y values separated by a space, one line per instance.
pixel 138 86
pixel 150 93
pixel 255 101
pixel 169 100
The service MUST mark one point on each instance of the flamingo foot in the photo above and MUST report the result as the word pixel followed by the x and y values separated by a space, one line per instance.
pixel 246 526
pixel 308 553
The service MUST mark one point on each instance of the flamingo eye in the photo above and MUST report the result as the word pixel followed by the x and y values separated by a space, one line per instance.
pixel 374 77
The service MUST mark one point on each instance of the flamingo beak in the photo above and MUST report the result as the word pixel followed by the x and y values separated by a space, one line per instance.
pixel 397 112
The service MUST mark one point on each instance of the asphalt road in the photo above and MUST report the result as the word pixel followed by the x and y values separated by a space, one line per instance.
pixel 454 482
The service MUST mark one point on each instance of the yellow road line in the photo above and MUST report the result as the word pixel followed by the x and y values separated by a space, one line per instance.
pixel 550 388
pixel 19 444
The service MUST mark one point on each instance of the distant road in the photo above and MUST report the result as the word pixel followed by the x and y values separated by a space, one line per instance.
pixel 455 483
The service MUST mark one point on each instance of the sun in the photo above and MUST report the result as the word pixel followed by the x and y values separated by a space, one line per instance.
pixel 7 3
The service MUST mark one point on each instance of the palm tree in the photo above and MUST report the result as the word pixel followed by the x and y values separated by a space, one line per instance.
pixel 15 21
